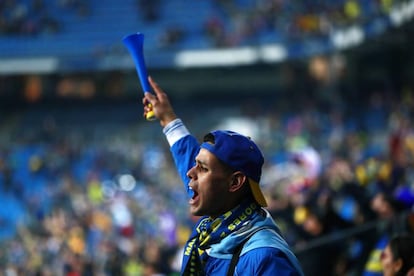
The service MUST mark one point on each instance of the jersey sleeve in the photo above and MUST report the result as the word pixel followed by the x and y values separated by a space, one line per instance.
pixel 184 147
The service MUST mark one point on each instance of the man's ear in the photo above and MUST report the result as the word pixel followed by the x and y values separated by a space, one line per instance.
pixel 237 181
pixel 397 265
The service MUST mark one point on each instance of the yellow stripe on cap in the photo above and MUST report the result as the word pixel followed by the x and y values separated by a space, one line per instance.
pixel 257 193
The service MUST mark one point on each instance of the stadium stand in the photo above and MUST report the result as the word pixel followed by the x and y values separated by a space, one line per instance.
pixel 91 30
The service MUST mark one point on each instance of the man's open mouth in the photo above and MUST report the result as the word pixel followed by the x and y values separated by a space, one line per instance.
pixel 194 196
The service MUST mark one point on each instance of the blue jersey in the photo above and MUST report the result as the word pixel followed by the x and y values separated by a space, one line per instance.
pixel 373 267
pixel 264 253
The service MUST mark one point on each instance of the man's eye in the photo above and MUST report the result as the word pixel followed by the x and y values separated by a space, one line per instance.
pixel 201 168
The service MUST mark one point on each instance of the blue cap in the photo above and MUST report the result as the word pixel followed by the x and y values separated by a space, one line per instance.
pixel 240 153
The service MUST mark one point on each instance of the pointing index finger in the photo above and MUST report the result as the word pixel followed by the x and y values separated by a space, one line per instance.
pixel 158 91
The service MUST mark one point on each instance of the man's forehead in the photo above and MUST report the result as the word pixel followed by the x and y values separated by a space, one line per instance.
pixel 205 157
pixel 204 154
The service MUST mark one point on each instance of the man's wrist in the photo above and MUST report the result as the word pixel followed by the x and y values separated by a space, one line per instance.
pixel 167 119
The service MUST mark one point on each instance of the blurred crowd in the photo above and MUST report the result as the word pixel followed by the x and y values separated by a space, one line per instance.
pixel 30 18
pixel 343 190
pixel 84 206
pixel 225 23
pixel 236 23
pixel 249 22
pixel 104 199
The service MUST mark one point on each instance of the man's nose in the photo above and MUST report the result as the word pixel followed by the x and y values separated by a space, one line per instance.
pixel 190 173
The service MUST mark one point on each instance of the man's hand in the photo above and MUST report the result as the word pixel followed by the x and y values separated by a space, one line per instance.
pixel 160 103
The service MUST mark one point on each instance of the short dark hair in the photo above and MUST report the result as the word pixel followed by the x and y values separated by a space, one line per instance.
pixel 402 247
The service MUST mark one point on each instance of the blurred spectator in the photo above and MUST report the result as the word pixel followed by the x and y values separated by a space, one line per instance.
pixel 398 256
pixel 215 31
pixel 171 36
pixel 149 9
pixel 394 220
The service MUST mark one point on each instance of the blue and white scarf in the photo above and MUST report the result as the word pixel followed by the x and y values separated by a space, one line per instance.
pixel 209 232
